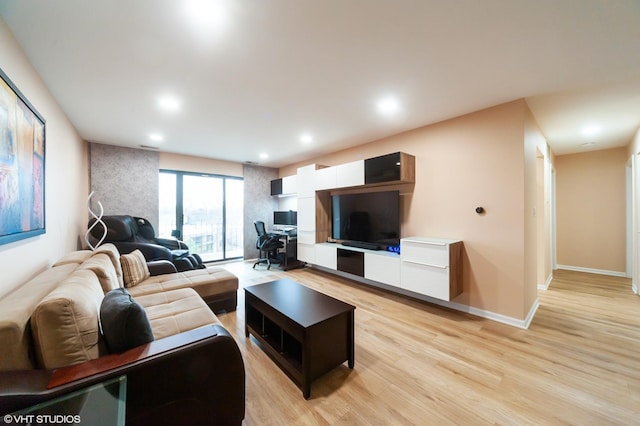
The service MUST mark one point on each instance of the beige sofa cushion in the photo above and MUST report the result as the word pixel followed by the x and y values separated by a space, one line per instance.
pixel 76 257
pixel 65 323
pixel 15 311
pixel 114 255
pixel 206 282
pixel 173 312
pixel 100 264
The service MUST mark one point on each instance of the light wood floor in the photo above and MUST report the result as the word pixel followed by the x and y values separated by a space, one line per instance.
pixel 416 363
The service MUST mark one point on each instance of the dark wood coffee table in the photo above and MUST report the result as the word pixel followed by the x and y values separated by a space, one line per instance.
pixel 305 332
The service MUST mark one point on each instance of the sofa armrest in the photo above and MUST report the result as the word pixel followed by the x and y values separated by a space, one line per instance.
pixel 161 267
pixel 192 377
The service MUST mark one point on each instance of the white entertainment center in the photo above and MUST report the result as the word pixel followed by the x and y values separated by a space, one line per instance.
pixel 429 267
pixel 425 266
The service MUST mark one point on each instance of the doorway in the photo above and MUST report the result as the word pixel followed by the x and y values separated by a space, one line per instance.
pixel 545 219
pixel 632 221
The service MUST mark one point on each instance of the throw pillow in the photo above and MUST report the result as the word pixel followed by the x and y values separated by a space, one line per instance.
pixel 134 268
pixel 123 321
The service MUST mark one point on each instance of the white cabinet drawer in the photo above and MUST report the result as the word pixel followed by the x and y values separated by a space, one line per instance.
pixel 382 268
pixel 428 280
pixel 429 253
pixel 326 255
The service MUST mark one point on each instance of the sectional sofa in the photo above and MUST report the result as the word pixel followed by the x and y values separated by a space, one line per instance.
pixel 56 337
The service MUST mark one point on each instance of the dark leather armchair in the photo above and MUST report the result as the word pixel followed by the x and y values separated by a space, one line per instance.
pixel 129 233
pixel 268 245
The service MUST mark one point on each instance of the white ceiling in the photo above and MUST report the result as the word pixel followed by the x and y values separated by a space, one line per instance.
pixel 261 73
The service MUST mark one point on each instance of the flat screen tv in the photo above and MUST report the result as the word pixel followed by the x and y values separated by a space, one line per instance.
pixel 372 217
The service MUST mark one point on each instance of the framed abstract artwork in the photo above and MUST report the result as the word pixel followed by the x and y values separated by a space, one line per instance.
pixel 22 161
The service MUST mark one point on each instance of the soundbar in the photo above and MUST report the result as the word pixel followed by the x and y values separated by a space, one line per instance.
pixel 362 244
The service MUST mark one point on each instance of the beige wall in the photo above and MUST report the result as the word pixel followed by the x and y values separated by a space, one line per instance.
pixel 470 161
pixel 591 202
pixel 186 163
pixel 66 176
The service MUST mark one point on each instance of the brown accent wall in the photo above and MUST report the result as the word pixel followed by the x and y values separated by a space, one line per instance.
pixel 591 204
pixel 470 161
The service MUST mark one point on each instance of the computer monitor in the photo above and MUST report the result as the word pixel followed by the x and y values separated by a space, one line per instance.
pixel 285 218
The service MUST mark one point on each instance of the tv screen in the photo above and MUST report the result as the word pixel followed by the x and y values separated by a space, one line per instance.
pixel 372 217
pixel 287 218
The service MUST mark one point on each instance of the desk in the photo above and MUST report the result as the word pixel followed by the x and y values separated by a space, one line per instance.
pixel 290 249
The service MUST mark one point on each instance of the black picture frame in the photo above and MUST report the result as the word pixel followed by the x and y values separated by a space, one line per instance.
pixel 22 165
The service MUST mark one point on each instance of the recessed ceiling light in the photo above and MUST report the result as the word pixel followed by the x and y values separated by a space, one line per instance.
pixel 169 103
pixel 591 130
pixel 388 105
pixel 264 155
pixel 207 15
pixel 306 138
pixel 157 137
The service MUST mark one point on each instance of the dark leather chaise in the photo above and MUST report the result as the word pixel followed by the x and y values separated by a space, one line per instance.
pixel 129 233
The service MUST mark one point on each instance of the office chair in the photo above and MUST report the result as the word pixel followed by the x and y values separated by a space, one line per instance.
pixel 268 245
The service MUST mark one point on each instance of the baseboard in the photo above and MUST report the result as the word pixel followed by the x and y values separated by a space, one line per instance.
pixel 504 319
pixel 593 271
pixel 531 314
pixel 546 284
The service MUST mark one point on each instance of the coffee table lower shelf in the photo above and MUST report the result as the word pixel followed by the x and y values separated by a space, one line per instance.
pixel 288 362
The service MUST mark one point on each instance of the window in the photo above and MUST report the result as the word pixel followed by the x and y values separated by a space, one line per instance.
pixel 205 211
